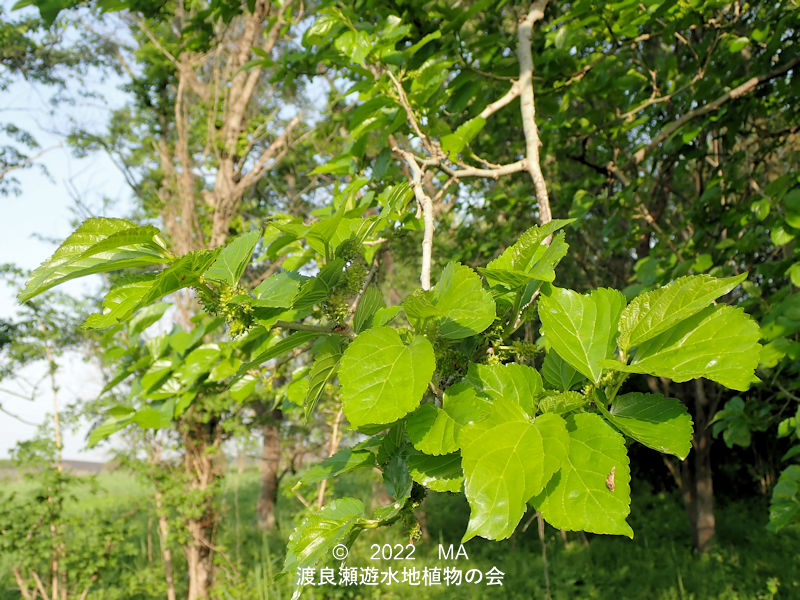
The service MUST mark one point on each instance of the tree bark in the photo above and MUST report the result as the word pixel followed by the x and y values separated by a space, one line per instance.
pixel 166 552
pixel 704 523
pixel 269 467
pixel 200 440
pixel 695 476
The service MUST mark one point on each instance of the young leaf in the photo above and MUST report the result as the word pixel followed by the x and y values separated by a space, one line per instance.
pixel 582 328
pixel 278 291
pixel 145 317
pixel 541 266
pixel 311 542
pixel 156 374
pixel 225 368
pixel 455 142
pixel 99 245
pixel 322 371
pixel 344 461
pixel 317 288
pixel 119 304
pixel 242 388
pixel 654 312
pixel 396 478
pixel 108 427
pixel 558 373
pixel 197 363
pixel 658 422
pixel 182 273
pixel 233 258
pixel 437 473
pixel 526 251
pixel 158 415
pixel 591 492
pixel 719 343
pixel 506 460
pixel 460 299
pixel 432 431
pixel 518 383
pixel 370 303
pixel 419 306
pixel 382 378
pixel 280 346
pixel 562 403
pixel 463 405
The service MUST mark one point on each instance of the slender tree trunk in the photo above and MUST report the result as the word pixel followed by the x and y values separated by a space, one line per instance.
pixel 704 524
pixel 200 441
pixel 333 446
pixel 57 574
pixel 269 468
pixel 166 552
pixel 695 476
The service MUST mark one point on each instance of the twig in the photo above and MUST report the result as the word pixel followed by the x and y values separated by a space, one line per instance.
pixel 302 327
pixel 426 204
pixel 740 90
pixel 302 500
pixel 23 589
pixel 380 240
pixel 440 194
pixel 18 418
pixel 29 160
pixel 528 108
pixel 332 448
pixel 410 113
pixel 512 93
pixel 39 584
pixel 495 173
pixel 274 152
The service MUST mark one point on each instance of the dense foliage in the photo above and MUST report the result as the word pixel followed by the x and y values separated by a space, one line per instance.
pixel 295 180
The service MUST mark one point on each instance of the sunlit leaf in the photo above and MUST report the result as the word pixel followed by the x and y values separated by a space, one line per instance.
pixel 382 378
pixel 591 492
pixel 582 328
pixel 507 459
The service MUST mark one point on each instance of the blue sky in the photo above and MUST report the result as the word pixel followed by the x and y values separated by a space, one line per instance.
pixel 44 208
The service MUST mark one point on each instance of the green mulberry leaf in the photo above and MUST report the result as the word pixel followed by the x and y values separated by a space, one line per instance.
pixel 465 306
pixel 507 459
pixel 784 508
pixel 312 541
pixel 654 312
pixel 559 374
pixel 582 328
pixel 518 383
pixel 438 473
pixel 591 492
pixel 233 258
pixel 719 343
pixel 382 378
pixel 99 245
pixel 656 421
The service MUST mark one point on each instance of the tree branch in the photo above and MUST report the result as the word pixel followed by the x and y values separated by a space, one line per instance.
pixel 271 152
pixel 303 327
pixel 426 204
pixel 410 114
pixel 528 109
pixel 495 173
pixel 506 99
pixel 29 160
pixel 737 92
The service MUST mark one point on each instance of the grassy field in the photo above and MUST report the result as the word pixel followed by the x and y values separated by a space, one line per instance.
pixel 746 561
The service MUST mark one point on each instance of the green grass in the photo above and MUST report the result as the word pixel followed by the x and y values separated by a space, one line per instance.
pixel 746 562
